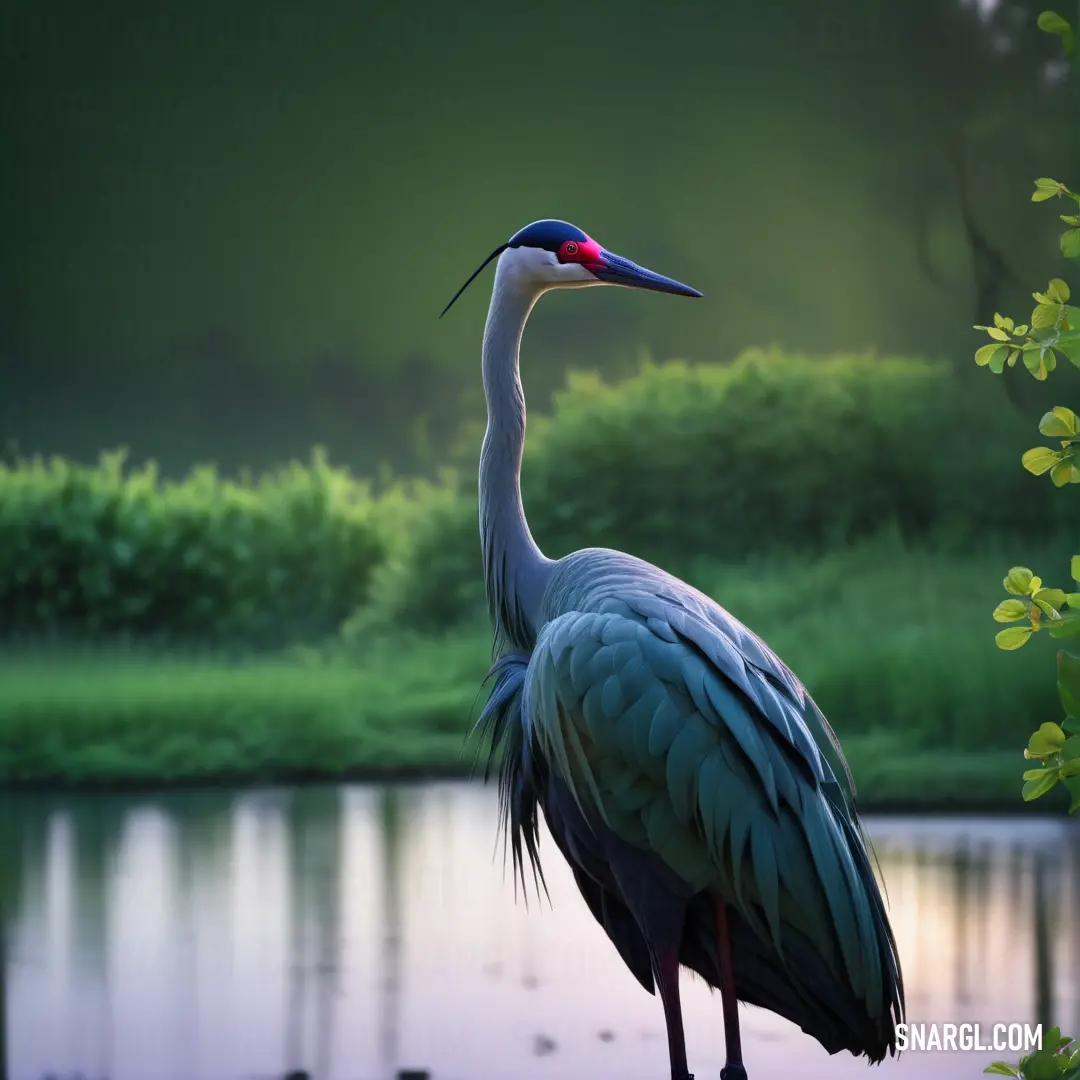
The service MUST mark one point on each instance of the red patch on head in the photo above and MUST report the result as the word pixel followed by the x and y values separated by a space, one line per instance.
pixel 587 253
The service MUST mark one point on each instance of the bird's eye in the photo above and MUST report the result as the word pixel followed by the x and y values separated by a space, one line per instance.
pixel 571 248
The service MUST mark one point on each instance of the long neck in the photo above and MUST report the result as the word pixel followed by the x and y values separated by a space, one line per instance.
pixel 515 570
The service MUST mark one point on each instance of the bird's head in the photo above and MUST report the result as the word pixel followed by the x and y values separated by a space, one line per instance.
pixel 553 254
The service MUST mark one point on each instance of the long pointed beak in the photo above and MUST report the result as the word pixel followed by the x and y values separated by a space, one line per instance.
pixel 615 270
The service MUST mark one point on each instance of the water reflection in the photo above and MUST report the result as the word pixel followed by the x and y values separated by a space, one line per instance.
pixel 355 932
pixel 390 865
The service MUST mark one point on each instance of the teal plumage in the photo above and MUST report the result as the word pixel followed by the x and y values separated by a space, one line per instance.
pixel 690 740
pixel 696 791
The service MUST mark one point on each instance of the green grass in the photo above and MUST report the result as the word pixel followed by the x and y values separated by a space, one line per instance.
pixel 103 716
pixel 888 638
pixel 895 644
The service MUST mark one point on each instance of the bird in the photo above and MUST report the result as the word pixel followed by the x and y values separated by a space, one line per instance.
pixel 697 792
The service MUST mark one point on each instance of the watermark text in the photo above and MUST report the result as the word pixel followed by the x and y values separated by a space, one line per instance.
pixel 1014 1038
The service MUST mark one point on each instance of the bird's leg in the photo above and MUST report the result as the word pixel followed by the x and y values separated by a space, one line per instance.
pixel 666 963
pixel 733 1070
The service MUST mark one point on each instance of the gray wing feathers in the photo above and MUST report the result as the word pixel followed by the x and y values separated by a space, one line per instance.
pixel 758 672
pixel 685 745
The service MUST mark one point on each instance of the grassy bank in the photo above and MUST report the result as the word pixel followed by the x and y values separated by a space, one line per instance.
pixel 772 452
pixel 896 645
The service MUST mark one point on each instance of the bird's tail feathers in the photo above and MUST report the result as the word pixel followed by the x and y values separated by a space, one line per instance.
pixel 511 752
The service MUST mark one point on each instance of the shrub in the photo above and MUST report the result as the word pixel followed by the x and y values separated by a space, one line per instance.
pixel 682 462
pixel 773 451
pixel 433 576
pixel 106 551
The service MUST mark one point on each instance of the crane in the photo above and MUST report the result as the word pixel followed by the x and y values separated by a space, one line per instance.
pixel 697 792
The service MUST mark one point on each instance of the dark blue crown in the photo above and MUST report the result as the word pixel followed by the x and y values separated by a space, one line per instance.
pixel 548 234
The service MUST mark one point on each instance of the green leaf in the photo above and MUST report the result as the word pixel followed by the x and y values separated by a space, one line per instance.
pixel 984 355
pixel 1010 611
pixel 1074 568
pixel 1034 774
pixel 1053 1041
pixel 1059 421
pixel 1073 599
pixel 1047 609
pixel 1045 188
pixel 1068 626
pixel 1071 750
pixel 1064 472
pixel 1049 739
pixel 1044 315
pixel 1036 789
pixel 1018 580
pixel 1037 363
pixel 1021 330
pixel 1047 1063
pixel 1068 683
pixel 1069 345
pixel 1070 219
pixel 1053 598
pixel 1002 1068
pixel 1013 637
pixel 996 334
pixel 1058 290
pixel 1037 460
pixel 1073 786
pixel 1070 244
pixel 1053 23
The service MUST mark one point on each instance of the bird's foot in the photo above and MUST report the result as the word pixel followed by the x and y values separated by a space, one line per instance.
pixel 732 1072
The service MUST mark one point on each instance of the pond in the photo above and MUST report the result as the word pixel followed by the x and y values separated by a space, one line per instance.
pixel 354 931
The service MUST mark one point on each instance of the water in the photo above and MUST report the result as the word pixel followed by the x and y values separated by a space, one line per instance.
pixel 354 931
